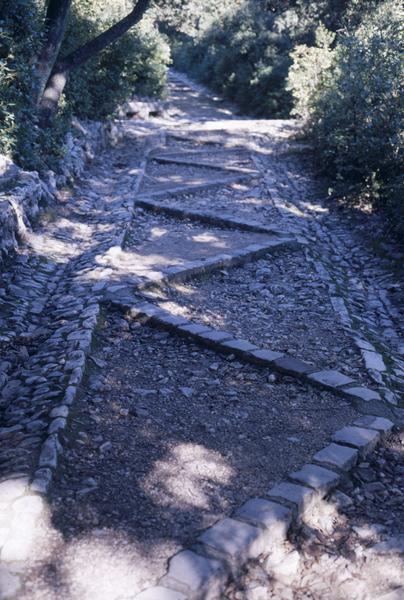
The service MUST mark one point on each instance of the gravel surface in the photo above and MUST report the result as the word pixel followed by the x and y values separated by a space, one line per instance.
pixel 166 440
pixel 166 437
pixel 276 302
pixel 353 547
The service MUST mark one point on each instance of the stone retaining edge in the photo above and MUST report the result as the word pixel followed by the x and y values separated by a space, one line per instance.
pixel 23 496
pixel 176 160
pixel 364 399
pixel 202 571
pixel 210 217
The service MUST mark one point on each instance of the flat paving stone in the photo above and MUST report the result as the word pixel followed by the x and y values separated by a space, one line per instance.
pixel 196 572
pixel 342 457
pixel 269 515
pixel 362 439
pixel 301 496
pixel 319 478
pixel 331 378
pixel 378 423
pixel 236 539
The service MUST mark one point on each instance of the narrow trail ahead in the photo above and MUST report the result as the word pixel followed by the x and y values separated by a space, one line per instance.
pixel 188 326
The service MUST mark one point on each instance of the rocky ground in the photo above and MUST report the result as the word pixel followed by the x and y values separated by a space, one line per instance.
pixel 277 303
pixel 352 547
pixel 165 440
pixel 145 439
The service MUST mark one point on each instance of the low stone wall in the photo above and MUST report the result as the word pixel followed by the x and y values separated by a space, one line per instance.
pixel 23 194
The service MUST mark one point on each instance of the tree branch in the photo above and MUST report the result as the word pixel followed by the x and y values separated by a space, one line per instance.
pixel 60 72
pixel 93 47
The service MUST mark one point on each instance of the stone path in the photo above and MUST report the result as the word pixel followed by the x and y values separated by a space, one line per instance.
pixel 197 222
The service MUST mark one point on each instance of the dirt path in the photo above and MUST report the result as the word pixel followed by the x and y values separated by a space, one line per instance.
pixel 140 438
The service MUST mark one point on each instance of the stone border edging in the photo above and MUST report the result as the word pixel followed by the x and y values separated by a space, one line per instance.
pixel 208 216
pixel 202 571
pixel 193 187
pixel 364 399
pixel 203 164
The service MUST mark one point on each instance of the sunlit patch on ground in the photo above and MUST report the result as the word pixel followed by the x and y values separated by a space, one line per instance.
pixel 187 477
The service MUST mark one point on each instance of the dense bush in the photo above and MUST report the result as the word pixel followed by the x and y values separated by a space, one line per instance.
pixel 19 42
pixel 135 64
pixel 352 98
pixel 245 54
pixel 243 57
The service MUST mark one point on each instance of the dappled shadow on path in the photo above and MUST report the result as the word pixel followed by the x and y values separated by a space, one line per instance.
pixel 166 439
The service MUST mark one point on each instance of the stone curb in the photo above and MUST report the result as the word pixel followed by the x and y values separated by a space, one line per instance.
pixel 51 447
pixel 197 268
pixel 202 571
pixel 190 188
pixel 365 400
pixel 203 164
pixel 206 216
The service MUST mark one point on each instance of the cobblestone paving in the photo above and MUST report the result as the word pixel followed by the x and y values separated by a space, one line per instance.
pixel 123 494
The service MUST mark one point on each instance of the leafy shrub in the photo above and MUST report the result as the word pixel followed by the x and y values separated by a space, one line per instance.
pixel 244 59
pixel 355 111
pixel 307 72
pixel 19 42
pixel 135 64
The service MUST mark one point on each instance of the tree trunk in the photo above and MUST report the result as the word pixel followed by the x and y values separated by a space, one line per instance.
pixel 55 26
pixel 60 72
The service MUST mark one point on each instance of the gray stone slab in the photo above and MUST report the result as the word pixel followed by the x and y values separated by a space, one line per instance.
pixel 362 393
pixel 196 573
pixel 237 540
pixel 239 346
pixel 342 457
pixel 49 453
pixel 331 378
pixel 373 360
pixel 265 356
pixel 215 336
pixel 41 481
pixel 298 495
pixel 272 516
pixel 318 478
pixel 171 320
pixel 371 422
pixel 358 437
pixel 292 365
pixel 57 424
pixel 194 328
pixel 160 593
